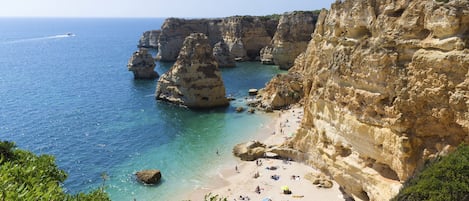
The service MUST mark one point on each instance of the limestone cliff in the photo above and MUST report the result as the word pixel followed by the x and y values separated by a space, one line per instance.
pixel 194 80
pixel 142 65
pixel 244 35
pixel 291 38
pixel 222 54
pixel 149 39
pixel 386 87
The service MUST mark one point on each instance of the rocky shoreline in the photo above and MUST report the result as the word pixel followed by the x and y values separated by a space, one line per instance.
pixel 384 85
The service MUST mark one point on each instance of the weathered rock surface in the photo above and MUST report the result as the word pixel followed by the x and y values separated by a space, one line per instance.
pixel 284 89
pixel 142 65
pixel 149 176
pixel 222 54
pixel 319 179
pixel 293 33
pixel 249 151
pixel 386 87
pixel 245 36
pixel 149 39
pixel 194 80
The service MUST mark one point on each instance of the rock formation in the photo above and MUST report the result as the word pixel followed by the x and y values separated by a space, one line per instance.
pixel 244 35
pixel 149 176
pixel 284 89
pixel 249 151
pixel 291 38
pixel 386 87
pixel 222 54
pixel 149 39
pixel 194 80
pixel 142 65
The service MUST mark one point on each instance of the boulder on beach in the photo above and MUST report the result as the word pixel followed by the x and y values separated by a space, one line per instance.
pixel 249 151
pixel 319 179
pixel 149 176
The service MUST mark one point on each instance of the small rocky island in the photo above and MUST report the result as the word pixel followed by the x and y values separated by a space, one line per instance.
pixel 142 65
pixel 194 80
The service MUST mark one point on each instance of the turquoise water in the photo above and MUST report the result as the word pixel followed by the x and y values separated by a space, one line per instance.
pixel 73 97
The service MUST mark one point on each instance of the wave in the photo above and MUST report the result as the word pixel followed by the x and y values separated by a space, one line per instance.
pixel 67 35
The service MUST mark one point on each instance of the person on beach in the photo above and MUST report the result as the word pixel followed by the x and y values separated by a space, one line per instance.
pixel 258 190
pixel 236 168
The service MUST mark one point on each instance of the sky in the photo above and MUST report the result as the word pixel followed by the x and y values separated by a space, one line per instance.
pixel 153 8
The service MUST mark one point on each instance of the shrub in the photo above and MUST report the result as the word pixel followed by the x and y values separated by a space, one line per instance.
pixel 26 176
pixel 446 178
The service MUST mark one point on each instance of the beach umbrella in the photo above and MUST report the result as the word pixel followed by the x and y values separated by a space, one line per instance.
pixel 266 199
pixel 285 188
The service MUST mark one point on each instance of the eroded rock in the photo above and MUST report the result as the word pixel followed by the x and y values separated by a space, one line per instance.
pixel 194 80
pixel 291 38
pixel 222 54
pixel 149 176
pixel 249 151
pixel 142 65
pixel 385 88
pixel 149 39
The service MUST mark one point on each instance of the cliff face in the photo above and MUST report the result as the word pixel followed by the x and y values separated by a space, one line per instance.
pixel 291 38
pixel 244 35
pixel 149 39
pixel 194 80
pixel 247 35
pixel 386 87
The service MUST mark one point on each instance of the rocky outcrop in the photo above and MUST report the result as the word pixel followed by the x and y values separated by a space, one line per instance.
pixel 142 65
pixel 244 35
pixel 149 39
pixel 266 55
pixel 291 38
pixel 284 89
pixel 149 176
pixel 250 151
pixel 222 54
pixel 386 88
pixel 194 80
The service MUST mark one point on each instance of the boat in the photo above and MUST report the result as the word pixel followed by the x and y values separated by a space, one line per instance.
pixel 70 34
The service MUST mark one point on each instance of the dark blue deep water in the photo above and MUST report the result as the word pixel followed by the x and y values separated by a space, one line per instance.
pixel 72 97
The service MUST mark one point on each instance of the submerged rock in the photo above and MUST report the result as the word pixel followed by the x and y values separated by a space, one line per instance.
pixel 194 80
pixel 142 65
pixel 149 176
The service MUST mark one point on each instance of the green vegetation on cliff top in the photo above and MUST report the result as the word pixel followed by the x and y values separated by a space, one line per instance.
pixel 445 179
pixel 26 176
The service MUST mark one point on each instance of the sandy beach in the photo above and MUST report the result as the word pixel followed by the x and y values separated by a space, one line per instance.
pixel 257 180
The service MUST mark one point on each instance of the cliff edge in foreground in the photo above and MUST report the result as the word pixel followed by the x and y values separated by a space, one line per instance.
pixel 386 87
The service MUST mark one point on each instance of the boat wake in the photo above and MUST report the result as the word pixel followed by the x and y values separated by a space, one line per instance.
pixel 67 35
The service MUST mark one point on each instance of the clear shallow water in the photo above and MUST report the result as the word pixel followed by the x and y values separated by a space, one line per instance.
pixel 74 98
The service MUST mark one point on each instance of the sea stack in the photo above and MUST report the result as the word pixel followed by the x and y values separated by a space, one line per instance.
pixel 194 80
pixel 142 65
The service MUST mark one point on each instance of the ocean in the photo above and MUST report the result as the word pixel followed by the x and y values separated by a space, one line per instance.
pixel 71 96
